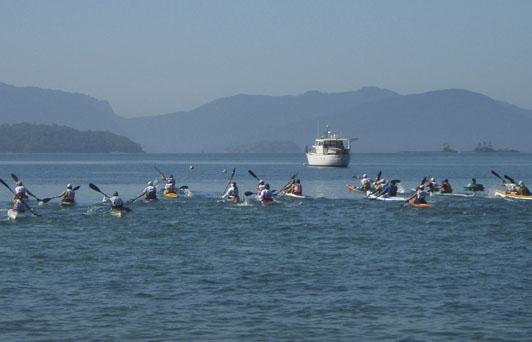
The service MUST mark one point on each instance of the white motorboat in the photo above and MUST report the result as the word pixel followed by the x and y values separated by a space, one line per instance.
pixel 330 150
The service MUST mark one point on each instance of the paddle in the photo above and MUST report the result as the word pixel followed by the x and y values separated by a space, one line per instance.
pixel 287 185
pixel 134 199
pixel 253 175
pixel 24 202
pixel 230 180
pixel 510 179
pixel 248 193
pixel 160 172
pixel 498 176
pixel 15 178
pixel 97 189
pixel 48 199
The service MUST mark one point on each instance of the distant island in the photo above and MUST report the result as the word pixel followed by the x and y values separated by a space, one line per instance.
pixel 265 147
pixel 35 138
pixel 487 147
pixel 447 149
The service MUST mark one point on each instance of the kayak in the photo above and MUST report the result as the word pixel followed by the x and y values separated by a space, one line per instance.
pixel 451 194
pixel 170 195
pixel 287 194
pixel 119 212
pixel 66 204
pixel 15 214
pixel 511 195
pixel 352 188
pixel 419 205
pixel 232 200
pixel 387 199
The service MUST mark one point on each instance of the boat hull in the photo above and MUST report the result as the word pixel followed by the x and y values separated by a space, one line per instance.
pixel 504 194
pixel 14 214
pixel 329 160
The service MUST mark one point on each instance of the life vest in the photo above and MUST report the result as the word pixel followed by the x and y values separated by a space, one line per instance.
pixel 69 195
pixel 297 189
pixel 116 202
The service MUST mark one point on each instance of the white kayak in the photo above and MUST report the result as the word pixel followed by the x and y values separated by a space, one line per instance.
pixel 287 194
pixel 14 214
pixel 387 199
pixel 451 194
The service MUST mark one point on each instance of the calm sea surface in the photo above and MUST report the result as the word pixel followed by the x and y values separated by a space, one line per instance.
pixel 334 266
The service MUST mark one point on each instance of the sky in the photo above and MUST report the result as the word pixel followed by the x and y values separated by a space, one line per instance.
pixel 155 57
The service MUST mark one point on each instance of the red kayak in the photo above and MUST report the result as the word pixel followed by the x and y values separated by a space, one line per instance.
pixel 419 205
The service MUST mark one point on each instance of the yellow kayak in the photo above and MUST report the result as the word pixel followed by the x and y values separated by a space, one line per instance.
pixel 512 195
pixel 170 195
pixel 232 200
pixel 119 212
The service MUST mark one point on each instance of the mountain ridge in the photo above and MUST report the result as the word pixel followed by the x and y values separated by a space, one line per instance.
pixel 383 120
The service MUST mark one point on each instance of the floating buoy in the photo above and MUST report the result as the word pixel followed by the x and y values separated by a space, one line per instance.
pixel 191 167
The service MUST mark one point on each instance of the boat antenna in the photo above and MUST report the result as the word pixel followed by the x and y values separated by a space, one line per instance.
pixel 318 130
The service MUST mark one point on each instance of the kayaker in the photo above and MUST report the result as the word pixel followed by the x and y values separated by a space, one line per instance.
pixel 366 183
pixel 116 202
pixel 522 190
pixel 232 193
pixel 474 186
pixel 378 187
pixel 20 191
pixel 68 195
pixel 296 188
pixel 260 186
pixel 18 204
pixel 266 195
pixel 389 190
pixel 149 192
pixel 169 187
pixel 433 185
pixel 510 187
pixel 421 195
pixel 445 187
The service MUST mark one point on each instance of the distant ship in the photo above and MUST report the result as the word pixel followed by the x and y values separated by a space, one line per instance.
pixel 330 150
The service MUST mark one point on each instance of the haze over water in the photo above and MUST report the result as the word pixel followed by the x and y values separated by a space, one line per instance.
pixel 334 266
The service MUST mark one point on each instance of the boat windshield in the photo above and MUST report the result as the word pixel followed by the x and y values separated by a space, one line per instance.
pixel 334 144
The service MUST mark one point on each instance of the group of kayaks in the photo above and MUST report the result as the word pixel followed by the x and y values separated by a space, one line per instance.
pixel 284 192
pixel 472 188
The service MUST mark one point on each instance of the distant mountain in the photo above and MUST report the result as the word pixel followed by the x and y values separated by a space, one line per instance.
pixel 424 121
pixel 383 120
pixel 265 147
pixel 46 106
pixel 34 138
pixel 252 118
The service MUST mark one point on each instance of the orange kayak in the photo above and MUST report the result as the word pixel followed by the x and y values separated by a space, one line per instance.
pixel 419 205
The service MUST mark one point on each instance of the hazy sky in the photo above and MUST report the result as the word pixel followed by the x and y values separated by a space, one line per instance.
pixel 152 57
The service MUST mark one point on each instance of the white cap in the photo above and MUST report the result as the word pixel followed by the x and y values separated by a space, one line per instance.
pixel 364 176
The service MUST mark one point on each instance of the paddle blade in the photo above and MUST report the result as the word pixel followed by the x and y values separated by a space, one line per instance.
pixel 184 187
pixel 5 184
pixel 94 187
pixel 46 200
pixel 253 174
pixel 248 193
pixel 496 174
pixel 510 179
pixel 77 188
pixel 15 178
pixel 379 175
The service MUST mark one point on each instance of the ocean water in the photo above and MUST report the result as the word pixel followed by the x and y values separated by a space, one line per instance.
pixel 334 266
